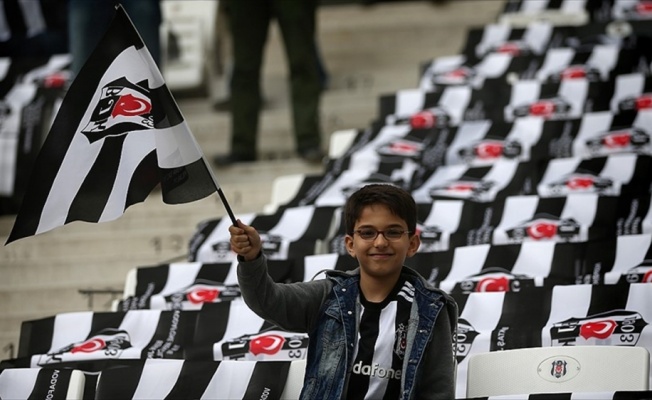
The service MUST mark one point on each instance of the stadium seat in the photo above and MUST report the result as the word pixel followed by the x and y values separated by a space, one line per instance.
pixel 340 141
pixel 294 383
pixel 284 188
pixel 130 284
pixel 22 383
pixel 558 370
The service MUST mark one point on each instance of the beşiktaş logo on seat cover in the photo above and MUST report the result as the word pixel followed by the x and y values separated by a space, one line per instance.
pixel 196 295
pixel 493 279
pixel 616 327
pixel 108 343
pixel 123 107
pixel 269 344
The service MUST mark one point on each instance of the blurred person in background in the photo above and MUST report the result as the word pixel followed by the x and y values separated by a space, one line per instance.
pixel 33 28
pixel 249 22
pixel 88 20
pixel 224 57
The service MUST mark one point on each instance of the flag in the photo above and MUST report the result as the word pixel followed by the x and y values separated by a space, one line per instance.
pixel 118 134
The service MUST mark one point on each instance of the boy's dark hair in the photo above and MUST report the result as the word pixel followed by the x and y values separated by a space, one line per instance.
pixel 399 201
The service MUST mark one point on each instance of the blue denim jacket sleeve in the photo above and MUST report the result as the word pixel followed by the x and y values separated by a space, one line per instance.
pixel 436 376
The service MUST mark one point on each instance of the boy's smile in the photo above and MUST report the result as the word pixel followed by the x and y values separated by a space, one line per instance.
pixel 381 257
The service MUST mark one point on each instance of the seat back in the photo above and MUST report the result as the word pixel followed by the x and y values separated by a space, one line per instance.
pixel 294 382
pixel 20 383
pixel 557 370
pixel 284 188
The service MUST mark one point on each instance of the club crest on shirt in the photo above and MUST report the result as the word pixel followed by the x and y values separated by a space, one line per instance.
pixel 123 107
pixel 400 341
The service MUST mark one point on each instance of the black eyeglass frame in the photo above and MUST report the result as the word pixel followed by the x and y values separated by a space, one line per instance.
pixel 383 232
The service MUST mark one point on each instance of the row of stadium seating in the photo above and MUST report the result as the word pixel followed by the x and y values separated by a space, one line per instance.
pixel 529 156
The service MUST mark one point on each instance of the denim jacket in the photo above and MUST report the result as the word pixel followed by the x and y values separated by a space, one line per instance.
pixel 328 310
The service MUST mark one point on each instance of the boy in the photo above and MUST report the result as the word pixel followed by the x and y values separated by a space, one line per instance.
pixel 379 331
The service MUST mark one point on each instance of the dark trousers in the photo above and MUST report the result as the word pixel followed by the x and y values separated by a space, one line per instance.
pixel 88 20
pixel 249 23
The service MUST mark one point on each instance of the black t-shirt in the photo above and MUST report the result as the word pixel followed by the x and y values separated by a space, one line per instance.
pixel 380 348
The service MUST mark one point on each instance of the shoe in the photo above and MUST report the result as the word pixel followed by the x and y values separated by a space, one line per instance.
pixel 228 159
pixel 313 155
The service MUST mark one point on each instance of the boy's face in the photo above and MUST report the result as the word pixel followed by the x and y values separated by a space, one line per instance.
pixel 380 257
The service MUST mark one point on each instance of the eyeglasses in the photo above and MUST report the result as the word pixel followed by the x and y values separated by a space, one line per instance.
pixel 392 234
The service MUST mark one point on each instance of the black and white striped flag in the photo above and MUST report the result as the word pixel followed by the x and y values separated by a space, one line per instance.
pixel 118 134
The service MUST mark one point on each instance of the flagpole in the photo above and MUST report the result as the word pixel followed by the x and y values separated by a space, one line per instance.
pixel 220 193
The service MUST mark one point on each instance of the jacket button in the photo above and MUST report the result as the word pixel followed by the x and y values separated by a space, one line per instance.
pixel 349 312
pixel 344 289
